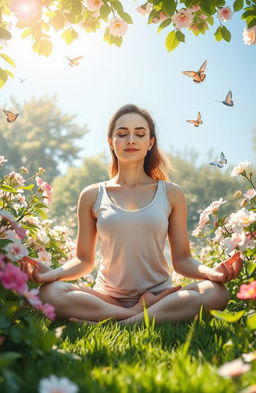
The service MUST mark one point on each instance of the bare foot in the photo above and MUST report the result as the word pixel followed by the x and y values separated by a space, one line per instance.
pixel 150 299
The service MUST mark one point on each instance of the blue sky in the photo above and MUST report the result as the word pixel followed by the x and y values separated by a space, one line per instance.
pixel 144 73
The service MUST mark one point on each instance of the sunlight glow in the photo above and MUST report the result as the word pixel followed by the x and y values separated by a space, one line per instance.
pixel 26 9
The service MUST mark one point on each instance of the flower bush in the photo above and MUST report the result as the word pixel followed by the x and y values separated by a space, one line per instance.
pixel 26 232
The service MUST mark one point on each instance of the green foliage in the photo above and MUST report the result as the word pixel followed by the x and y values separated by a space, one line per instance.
pixel 43 136
pixel 65 15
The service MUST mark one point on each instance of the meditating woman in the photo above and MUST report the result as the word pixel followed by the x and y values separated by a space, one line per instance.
pixel 132 214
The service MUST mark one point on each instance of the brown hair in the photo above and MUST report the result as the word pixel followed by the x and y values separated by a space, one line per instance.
pixel 155 162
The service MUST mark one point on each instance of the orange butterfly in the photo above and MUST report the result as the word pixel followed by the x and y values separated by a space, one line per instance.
pixel 198 76
pixel 11 117
pixel 196 122
pixel 74 61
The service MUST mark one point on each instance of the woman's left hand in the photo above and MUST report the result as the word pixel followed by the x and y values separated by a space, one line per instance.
pixel 227 270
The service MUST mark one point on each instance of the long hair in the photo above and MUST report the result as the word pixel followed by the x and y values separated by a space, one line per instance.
pixel 156 162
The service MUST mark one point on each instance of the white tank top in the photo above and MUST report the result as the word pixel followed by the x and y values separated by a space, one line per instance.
pixel 132 245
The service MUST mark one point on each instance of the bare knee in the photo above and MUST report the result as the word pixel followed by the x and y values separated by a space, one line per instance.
pixel 216 296
pixel 53 292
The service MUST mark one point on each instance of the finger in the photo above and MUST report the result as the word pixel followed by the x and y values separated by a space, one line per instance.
pixel 224 271
pixel 238 267
pixel 233 259
pixel 30 260
pixel 231 274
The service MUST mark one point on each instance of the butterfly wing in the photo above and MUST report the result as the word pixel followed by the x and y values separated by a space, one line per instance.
pixel 199 118
pixel 194 122
pixel 223 159
pixel 203 66
pixel 218 164
pixel 189 73
pixel 228 98
pixel 78 58
pixel 11 117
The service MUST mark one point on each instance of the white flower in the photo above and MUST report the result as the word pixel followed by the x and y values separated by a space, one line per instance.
pixel 2 159
pixel 240 168
pixel 53 384
pixel 45 257
pixel 233 369
pixel 214 206
pixel 16 250
pixel 249 36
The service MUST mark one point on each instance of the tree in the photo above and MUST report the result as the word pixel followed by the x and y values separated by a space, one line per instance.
pixel 66 189
pixel 36 19
pixel 42 136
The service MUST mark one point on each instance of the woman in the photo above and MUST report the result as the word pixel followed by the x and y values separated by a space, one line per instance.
pixel 132 214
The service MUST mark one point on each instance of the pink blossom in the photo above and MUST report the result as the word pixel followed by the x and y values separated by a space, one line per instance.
pixel 234 368
pixel 214 206
pixel 2 159
pixel 242 218
pixel 219 234
pixel 32 297
pixel 183 18
pixel 236 239
pixel 45 257
pixel 17 178
pixel 238 170
pixel 48 310
pixel 196 231
pixel 16 250
pixel 117 27
pixel 247 291
pixel 39 181
pixel 204 218
pixel 195 8
pixel 13 278
pixel 249 36
pixel 94 5
pixel 145 9
pixel 6 216
pixel 224 13
pixel 251 193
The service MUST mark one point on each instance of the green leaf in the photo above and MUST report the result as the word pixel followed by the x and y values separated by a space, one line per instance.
pixel 226 316
pixel 217 34
pixel 30 187
pixel 3 77
pixel 146 318
pixel 69 35
pixel 164 24
pixel 238 5
pixel 58 21
pixel 169 7
pixel 171 41
pixel 5 34
pixel 249 12
pixel 126 17
pixel 225 33
pixel 8 357
pixel 3 243
pixel 117 6
pixel 41 213
pixel 180 36
pixel 104 12
pixel 26 32
pixel 252 23
pixel 43 47
pixel 4 322
pixel 210 20
pixel 5 187
pixel 251 321
pixel 8 59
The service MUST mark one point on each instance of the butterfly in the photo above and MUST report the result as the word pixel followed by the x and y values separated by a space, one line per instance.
pixel 21 80
pixel 220 164
pixel 74 61
pixel 228 100
pixel 11 117
pixel 198 76
pixel 197 121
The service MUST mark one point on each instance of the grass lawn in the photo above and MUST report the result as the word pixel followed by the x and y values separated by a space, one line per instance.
pixel 166 357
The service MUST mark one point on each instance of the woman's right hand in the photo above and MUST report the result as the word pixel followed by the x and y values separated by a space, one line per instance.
pixel 36 270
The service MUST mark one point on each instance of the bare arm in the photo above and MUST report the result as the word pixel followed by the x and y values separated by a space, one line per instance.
pixel 83 262
pixel 183 263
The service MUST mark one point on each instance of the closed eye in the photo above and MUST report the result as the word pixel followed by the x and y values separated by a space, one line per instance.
pixel 141 136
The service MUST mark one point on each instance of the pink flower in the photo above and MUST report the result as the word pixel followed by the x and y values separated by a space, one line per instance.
pixel 2 159
pixel 249 36
pixel 195 8
pixel 204 218
pixel 183 18
pixel 214 206
pixel 224 13
pixel 16 250
pixel 196 231
pixel 238 170
pixel 45 257
pixel 17 179
pixel 48 310
pixel 13 278
pixel 32 297
pixel 117 27
pixel 94 5
pixel 39 181
pixel 247 291
pixel 251 193
pixel 242 217
pixel 234 368
pixel 6 216
pixel 145 9
pixel 236 239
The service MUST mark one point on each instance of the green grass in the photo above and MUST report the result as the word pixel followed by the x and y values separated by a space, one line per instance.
pixel 167 357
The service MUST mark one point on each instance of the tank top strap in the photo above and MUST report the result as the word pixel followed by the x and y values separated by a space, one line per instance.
pixel 99 198
pixel 163 197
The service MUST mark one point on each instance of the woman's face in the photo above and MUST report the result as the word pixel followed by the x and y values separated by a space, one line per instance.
pixel 131 132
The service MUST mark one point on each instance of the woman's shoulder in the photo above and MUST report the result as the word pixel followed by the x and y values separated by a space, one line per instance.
pixel 174 192
pixel 89 194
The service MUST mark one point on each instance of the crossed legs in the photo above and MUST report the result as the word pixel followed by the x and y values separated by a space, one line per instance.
pixel 71 301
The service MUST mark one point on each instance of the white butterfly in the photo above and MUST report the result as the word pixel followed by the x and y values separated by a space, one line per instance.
pixel 220 164
pixel 228 100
